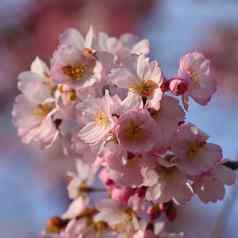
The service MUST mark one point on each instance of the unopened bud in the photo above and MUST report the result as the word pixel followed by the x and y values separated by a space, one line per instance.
pixel 55 225
pixel 165 86
pixel 178 86
pixel 153 212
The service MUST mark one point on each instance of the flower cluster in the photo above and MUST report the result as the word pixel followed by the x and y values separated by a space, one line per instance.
pixel 119 117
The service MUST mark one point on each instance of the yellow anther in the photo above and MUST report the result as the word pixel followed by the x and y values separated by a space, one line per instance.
pixel 144 88
pixel 75 72
pixel 102 119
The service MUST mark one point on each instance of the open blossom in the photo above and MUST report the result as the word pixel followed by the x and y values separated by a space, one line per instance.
pixel 143 78
pixel 72 66
pixel 165 184
pixel 123 47
pixel 34 108
pixel 82 180
pixel 167 118
pixel 136 131
pixel 118 217
pixel 210 186
pixel 194 154
pixel 97 113
pixel 127 169
pixel 194 68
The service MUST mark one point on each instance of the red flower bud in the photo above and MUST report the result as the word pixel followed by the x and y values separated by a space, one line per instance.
pixel 178 86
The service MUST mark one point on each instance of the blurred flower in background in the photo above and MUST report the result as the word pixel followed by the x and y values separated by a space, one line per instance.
pixel 221 46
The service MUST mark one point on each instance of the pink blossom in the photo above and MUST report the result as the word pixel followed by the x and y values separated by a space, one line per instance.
pixel 210 187
pixel 142 78
pixel 194 154
pixel 124 171
pixel 167 118
pixel 194 68
pixel 97 113
pixel 84 178
pixel 117 216
pixel 74 67
pixel 123 47
pixel 136 131
pixel 34 108
pixel 165 184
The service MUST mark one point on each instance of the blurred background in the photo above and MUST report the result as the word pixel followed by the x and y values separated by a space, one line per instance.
pixel 32 183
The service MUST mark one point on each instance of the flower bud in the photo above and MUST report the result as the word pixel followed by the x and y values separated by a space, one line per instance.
pixel 178 86
pixel 55 225
pixel 153 212
pixel 165 86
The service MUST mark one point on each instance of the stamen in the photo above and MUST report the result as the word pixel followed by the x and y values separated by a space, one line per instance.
pixel 102 119
pixel 42 110
pixel 144 88
pixel 75 72
pixel 193 150
pixel 133 132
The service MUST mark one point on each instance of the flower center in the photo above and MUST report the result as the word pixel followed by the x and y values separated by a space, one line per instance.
pixel 155 114
pixel 193 150
pixel 133 132
pixel 75 72
pixel 42 110
pixel 101 119
pixel 195 77
pixel 144 88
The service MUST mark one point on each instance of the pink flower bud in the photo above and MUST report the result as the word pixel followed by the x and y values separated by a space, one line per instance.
pixel 165 86
pixel 153 212
pixel 178 86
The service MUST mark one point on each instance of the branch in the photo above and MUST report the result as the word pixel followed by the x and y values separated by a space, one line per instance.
pixel 231 164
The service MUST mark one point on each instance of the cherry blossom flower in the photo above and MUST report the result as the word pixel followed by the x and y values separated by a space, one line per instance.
pixel 210 186
pixel 194 154
pixel 143 78
pixel 82 180
pixel 136 131
pixel 124 47
pixel 73 66
pixel 167 117
pixel 165 184
pixel 98 112
pixel 194 68
pixel 118 217
pixel 34 108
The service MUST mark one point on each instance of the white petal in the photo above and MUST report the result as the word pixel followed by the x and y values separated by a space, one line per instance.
pixel 142 47
pixel 72 37
pixel 32 87
pixel 90 37
pixel 123 78
pixel 39 67
pixel 76 208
